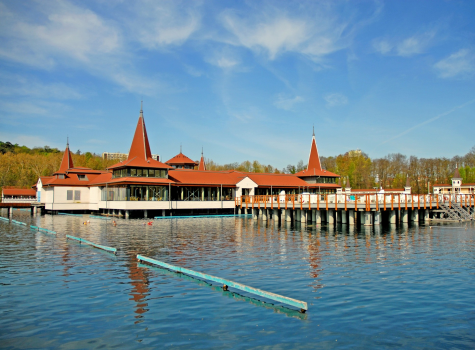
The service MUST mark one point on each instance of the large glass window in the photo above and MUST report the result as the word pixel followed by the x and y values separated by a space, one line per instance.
pixel 69 195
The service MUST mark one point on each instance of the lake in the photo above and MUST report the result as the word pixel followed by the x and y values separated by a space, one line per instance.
pixel 378 287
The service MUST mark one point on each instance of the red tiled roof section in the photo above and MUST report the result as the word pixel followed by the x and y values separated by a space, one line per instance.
pixel 150 181
pixel 67 162
pixel 181 159
pixel 19 192
pixel 73 180
pixel 206 178
pixel 276 180
pixel 315 172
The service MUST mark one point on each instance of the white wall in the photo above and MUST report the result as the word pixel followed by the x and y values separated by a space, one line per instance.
pixel 245 183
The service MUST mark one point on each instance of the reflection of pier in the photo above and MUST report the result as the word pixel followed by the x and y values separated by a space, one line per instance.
pixel 367 208
pixel 19 204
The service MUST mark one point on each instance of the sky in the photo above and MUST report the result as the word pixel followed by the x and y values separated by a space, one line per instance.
pixel 244 80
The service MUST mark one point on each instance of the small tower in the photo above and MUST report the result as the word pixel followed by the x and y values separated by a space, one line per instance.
pixel 407 188
pixel 347 186
pixel 456 181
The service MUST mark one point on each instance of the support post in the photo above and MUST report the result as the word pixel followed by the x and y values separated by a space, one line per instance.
pixel 303 216
pixel 145 214
pixel 351 216
pixel 392 216
pixel 368 218
pixel 127 214
pixel 330 217
pixel 318 217
pixel 377 217
pixel 415 215
pixel 343 216
pixel 254 213
pixel 404 216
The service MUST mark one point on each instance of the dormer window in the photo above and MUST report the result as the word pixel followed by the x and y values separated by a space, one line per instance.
pixel 61 176
pixel 82 177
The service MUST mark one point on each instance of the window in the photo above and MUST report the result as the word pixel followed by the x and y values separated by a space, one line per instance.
pixel 69 195
pixel 139 172
pixel 133 172
pixel 77 195
pixel 151 173
pixel 82 177
pixel 61 176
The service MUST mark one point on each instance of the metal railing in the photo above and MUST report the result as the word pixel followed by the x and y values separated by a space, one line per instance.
pixel 377 201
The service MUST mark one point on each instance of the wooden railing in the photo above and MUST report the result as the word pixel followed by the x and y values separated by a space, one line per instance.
pixel 351 201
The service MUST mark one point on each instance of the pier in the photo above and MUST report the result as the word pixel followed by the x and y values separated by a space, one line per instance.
pixel 352 209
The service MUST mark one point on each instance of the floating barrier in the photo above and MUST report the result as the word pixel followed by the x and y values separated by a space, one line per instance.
pixel 103 247
pixel 70 214
pixel 18 222
pixel 200 216
pixel 46 230
pixel 4 219
pixel 99 217
pixel 302 305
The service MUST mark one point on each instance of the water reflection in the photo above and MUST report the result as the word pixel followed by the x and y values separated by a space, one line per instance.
pixel 140 283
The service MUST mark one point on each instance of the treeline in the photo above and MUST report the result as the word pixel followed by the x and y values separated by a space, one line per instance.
pixel 390 172
pixel 21 166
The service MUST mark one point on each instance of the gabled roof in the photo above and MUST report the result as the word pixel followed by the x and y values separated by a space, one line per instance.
pixel 180 159
pixel 73 180
pixel 140 154
pixel 67 162
pixel 202 165
pixel 314 168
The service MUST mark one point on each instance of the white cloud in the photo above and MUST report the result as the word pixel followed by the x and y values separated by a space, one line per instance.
pixel 459 63
pixel 335 99
pixel 61 28
pixel 157 24
pixel 17 85
pixel 273 32
pixel 407 47
pixel 193 71
pixel 287 103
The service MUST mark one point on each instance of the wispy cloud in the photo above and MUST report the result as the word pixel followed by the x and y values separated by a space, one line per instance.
pixel 429 121
pixel 406 47
pixel 459 63
pixel 273 32
pixel 335 99
pixel 286 103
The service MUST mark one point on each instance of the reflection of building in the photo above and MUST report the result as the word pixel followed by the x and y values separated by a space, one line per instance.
pixel 140 289
pixel 457 187
pixel 142 183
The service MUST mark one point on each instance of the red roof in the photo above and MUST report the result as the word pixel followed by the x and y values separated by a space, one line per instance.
pixel 19 192
pixel 276 180
pixel 316 172
pixel 185 177
pixel 153 181
pixel 73 180
pixel 140 154
pixel 67 162
pixel 181 159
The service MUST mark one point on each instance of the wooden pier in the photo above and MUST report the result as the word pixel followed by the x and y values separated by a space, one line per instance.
pixel 367 209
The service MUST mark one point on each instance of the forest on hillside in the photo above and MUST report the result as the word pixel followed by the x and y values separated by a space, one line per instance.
pixel 21 166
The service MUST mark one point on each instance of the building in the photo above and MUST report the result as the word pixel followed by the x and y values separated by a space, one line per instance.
pixel 140 185
pixel 456 187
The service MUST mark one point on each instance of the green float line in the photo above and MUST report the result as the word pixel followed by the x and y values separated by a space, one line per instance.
pixel 199 216
pixel 98 217
pixel 302 305
pixel 103 247
pixel 70 214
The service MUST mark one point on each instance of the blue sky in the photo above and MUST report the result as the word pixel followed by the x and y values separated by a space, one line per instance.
pixel 245 80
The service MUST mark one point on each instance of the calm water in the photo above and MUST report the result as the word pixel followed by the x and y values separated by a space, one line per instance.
pixel 410 287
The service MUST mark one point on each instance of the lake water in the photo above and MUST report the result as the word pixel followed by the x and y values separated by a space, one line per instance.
pixel 383 287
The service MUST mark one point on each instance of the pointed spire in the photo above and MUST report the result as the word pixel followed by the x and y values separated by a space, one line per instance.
pixel 347 185
pixel 202 165
pixel 67 162
pixel 314 158
pixel 313 130
pixel 180 149
pixel 408 183
pixel 456 173
pixel 140 147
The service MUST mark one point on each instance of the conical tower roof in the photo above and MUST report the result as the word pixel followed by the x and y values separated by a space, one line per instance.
pixel 408 182
pixel 314 167
pixel 67 162
pixel 140 147
pixel 140 154
pixel 456 174
pixel 202 165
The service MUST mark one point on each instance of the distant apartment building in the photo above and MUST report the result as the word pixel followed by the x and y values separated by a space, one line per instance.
pixel 122 156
